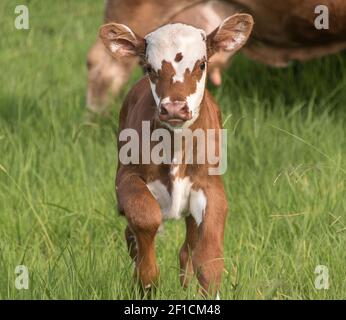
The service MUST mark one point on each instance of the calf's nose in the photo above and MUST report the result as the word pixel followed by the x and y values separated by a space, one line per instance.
pixel 177 110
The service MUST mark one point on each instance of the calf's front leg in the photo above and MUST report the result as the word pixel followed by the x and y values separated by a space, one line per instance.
pixel 144 218
pixel 207 256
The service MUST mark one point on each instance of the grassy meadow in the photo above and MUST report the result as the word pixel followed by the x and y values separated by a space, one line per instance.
pixel 285 179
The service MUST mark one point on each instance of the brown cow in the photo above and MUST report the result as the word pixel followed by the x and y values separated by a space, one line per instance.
pixel 284 31
pixel 171 100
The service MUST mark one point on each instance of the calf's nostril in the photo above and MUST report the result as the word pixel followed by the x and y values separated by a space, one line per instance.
pixel 185 109
pixel 163 110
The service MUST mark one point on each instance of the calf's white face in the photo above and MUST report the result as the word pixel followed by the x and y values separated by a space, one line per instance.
pixel 176 62
pixel 175 58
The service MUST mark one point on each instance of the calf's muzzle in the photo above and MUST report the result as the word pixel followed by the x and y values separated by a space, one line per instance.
pixel 175 112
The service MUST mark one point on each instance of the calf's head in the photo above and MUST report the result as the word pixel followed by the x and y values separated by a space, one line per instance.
pixel 175 57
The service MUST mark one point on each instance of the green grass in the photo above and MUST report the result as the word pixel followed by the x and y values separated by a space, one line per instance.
pixel 285 179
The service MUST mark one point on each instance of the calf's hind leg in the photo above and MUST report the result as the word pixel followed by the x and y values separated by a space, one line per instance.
pixel 131 242
pixel 144 218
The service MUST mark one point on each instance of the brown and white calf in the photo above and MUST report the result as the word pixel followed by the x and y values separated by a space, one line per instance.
pixel 172 96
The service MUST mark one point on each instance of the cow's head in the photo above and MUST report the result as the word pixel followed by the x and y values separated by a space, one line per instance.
pixel 175 57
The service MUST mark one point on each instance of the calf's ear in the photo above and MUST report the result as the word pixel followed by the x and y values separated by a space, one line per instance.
pixel 231 35
pixel 121 41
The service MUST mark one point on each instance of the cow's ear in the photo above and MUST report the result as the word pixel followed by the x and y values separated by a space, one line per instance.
pixel 231 35
pixel 121 41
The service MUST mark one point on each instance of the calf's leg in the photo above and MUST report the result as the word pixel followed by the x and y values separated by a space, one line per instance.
pixel 207 257
pixel 185 254
pixel 144 218
pixel 131 243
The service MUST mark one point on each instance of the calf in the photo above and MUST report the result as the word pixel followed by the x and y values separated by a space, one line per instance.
pixel 172 97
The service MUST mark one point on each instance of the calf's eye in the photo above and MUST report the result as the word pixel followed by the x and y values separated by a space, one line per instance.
pixel 149 69
pixel 202 66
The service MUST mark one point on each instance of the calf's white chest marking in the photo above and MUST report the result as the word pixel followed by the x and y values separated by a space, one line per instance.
pixel 181 199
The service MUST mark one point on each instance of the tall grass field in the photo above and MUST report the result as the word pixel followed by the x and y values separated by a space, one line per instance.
pixel 285 179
